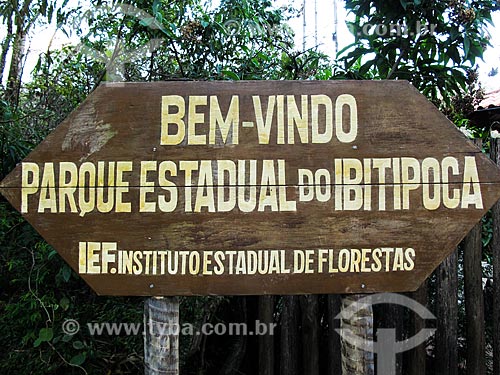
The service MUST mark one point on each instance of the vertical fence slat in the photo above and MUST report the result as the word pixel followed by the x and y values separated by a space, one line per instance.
pixel 310 334
pixel 390 316
pixel 447 316
pixel 289 344
pixel 334 359
pixel 495 245
pixel 474 303
pixel 266 342
pixel 418 357
pixel 235 354
pixel 474 300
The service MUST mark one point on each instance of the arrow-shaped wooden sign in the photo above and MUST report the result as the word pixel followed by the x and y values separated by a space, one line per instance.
pixel 181 188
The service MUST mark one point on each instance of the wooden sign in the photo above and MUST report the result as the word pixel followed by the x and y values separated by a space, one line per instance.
pixel 198 188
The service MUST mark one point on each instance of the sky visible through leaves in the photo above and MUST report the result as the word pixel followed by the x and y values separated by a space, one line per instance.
pixel 319 28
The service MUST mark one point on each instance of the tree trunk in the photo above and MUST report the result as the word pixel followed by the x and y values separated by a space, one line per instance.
pixel 161 340
pixel 310 334
pixel 474 302
pixel 447 316
pixel 18 51
pixel 266 342
pixel 289 336
pixel 495 246
pixel 356 361
pixel 14 78
pixel 334 358
pixel 5 47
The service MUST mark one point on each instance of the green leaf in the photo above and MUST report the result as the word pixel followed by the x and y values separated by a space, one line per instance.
pixel 50 12
pixel 476 50
pixel 66 273
pixel 156 6
pixel 78 359
pixel 404 4
pixel 43 7
pixel 78 345
pixel 51 254
pixel 168 31
pixel 64 303
pixel 67 338
pixel 231 75
pixel 453 53
pixel 353 28
pixel 365 68
pixel 37 343
pixel 454 33
pixel 466 46
pixel 173 26
pixel 45 334
pixel 343 50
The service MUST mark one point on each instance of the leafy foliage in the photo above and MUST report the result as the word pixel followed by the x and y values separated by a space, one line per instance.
pixel 429 43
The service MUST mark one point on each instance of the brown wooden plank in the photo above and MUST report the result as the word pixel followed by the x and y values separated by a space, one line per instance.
pixel 474 303
pixel 447 316
pixel 334 359
pixel 391 316
pixel 121 131
pixel 474 299
pixel 417 358
pixel 266 342
pixel 495 246
pixel 289 336
pixel 310 333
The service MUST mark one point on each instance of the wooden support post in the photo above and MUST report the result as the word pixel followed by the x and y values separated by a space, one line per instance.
pixel 447 316
pixel 474 300
pixel 356 361
pixel 161 339
pixel 266 342
pixel 495 246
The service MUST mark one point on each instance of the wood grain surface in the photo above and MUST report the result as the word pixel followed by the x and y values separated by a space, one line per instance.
pixel 288 174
